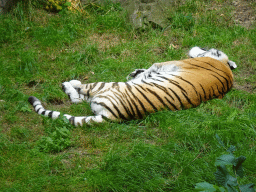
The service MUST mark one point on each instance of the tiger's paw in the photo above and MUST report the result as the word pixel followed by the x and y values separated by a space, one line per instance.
pixel 67 88
pixel 75 83
pixel 71 92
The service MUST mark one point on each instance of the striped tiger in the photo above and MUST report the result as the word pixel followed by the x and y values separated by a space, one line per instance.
pixel 174 85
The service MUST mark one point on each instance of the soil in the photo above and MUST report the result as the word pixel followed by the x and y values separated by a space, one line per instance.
pixel 245 15
pixel 245 87
pixel 245 12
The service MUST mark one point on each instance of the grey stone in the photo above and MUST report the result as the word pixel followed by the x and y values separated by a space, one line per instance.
pixel 142 13
pixel 7 5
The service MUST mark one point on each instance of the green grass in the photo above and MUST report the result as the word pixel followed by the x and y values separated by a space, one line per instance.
pixel 162 152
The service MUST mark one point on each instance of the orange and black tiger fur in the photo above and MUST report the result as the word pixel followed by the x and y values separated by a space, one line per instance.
pixel 174 85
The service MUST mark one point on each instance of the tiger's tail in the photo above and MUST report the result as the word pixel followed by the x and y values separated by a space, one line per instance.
pixel 77 121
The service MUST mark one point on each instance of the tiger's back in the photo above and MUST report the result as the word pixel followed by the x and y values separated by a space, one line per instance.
pixel 196 80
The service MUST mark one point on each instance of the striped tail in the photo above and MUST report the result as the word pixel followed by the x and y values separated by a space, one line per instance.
pixel 41 110
pixel 77 121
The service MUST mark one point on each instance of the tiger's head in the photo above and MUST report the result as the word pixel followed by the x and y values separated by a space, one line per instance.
pixel 213 53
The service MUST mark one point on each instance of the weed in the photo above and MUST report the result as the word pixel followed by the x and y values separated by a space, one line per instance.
pixel 222 175
pixel 58 139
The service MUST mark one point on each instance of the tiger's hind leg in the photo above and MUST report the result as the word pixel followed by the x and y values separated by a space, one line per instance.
pixel 100 116
pixel 71 88
pixel 82 120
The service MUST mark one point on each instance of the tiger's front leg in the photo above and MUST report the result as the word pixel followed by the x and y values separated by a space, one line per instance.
pixel 71 88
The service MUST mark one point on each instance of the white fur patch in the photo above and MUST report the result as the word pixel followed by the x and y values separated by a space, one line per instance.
pixel 195 51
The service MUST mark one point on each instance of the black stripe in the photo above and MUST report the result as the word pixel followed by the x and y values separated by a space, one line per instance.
pixel 181 104
pixel 121 99
pixel 172 104
pixel 187 98
pixel 72 120
pixel 105 106
pixel 145 97
pixel 227 88
pixel 156 79
pixel 214 71
pixel 107 97
pixel 213 66
pixel 224 87
pixel 214 95
pixel 38 109
pixel 184 92
pixel 115 85
pixel 185 81
pixel 140 86
pixel 43 113
pixel 36 105
pixel 101 86
pixel 210 94
pixel 144 82
pixel 129 103
pixel 158 97
pixel 176 83
pixel 118 111
pixel 94 85
pixel 203 91
pixel 50 114
pixel 164 89
pixel 134 103
pixel 220 91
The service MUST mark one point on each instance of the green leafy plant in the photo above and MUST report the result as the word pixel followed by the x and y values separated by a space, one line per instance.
pixel 222 175
pixel 58 139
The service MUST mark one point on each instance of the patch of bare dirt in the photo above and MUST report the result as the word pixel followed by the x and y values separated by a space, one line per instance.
pixel 105 41
pixel 244 12
pixel 245 87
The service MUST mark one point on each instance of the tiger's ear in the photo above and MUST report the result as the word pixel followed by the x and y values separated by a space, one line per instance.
pixel 232 65
pixel 196 51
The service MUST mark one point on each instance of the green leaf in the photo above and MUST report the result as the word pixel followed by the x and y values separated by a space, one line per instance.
pixel 231 188
pixel 237 166
pixel 225 160
pixel 219 140
pixel 221 175
pixel 207 187
pixel 224 178
pixel 231 182
pixel 231 149
pixel 68 4
pixel 25 109
pixel 204 186
pixel 247 188
pixel 221 189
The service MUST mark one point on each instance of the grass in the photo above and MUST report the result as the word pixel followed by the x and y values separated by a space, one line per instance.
pixel 162 152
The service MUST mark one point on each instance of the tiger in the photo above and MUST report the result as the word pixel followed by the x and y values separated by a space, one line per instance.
pixel 172 85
